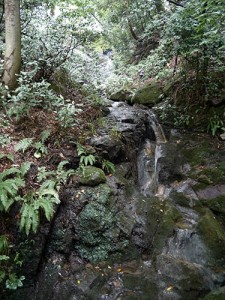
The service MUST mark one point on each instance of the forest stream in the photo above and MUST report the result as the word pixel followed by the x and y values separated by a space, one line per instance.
pixel 154 230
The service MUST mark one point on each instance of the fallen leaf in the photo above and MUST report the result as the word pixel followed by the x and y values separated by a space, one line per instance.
pixel 169 288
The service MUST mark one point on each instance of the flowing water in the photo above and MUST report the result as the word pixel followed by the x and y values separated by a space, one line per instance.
pixel 154 223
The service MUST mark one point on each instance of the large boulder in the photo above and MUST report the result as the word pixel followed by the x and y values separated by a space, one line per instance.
pixel 148 95
pixel 121 95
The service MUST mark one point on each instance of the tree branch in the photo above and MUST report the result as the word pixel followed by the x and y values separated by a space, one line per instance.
pixel 175 3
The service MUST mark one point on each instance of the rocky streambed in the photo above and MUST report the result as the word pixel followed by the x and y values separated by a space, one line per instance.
pixel 154 230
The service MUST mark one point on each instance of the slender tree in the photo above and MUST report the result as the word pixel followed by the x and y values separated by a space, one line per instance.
pixel 12 60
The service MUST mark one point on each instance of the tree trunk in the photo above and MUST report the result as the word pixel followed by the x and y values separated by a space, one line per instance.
pixel 129 21
pixel 12 60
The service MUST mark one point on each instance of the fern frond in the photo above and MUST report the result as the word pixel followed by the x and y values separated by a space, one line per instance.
pixel 29 218
pixel 23 145
pixel 45 135
pixel 47 206
pixel 5 201
pixel 47 184
pixel 8 191
pixel 8 172
pixel 43 174
pixel 8 156
pixel 80 149
pixel 25 167
pixel 54 196
pixel 61 165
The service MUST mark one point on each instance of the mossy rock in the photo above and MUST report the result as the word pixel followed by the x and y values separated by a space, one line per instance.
pixel 92 176
pixel 162 219
pixel 148 95
pixel 217 205
pixel 98 233
pixel 213 234
pixel 218 294
pixel 121 95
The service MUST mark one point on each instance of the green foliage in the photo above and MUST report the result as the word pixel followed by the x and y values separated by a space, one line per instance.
pixel 215 124
pixel 7 263
pixel 23 145
pixel 67 112
pixel 27 143
pixel 5 139
pixel 114 133
pixel 85 158
pixel 4 246
pixel 34 201
pixel 108 166
pixel 8 156
pixel 13 282
pixel 9 187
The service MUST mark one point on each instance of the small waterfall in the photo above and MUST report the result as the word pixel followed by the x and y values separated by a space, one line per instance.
pixel 149 156
pixel 157 128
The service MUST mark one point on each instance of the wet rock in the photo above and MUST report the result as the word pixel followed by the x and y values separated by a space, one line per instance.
pixel 110 148
pixel 181 279
pixel 213 234
pixel 169 164
pixel 92 176
pixel 211 192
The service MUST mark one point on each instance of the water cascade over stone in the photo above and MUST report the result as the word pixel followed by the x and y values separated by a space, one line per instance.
pixel 148 157
pixel 154 230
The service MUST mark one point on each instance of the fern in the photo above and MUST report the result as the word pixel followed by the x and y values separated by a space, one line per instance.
pixel 9 188
pixel 45 199
pixel 29 218
pixel 4 244
pixel 87 160
pixel 45 135
pixel 8 156
pixel 25 167
pixel 108 166
pixel 23 145
pixel 80 149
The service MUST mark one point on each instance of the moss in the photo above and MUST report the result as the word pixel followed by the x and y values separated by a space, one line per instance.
pixel 148 95
pixel 121 95
pixel 92 176
pixel 213 234
pixel 180 198
pixel 214 175
pixel 216 204
pixel 197 155
pixel 162 218
pixel 98 233
pixel 218 294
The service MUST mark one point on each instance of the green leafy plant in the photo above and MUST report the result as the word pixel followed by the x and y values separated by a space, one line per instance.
pixel 9 156
pixel 10 184
pixel 215 124
pixel 85 158
pixel 5 139
pixel 13 282
pixel 42 199
pixel 114 133
pixel 4 244
pixel 108 166
pixel 23 145
pixel 7 263
pixel 67 114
